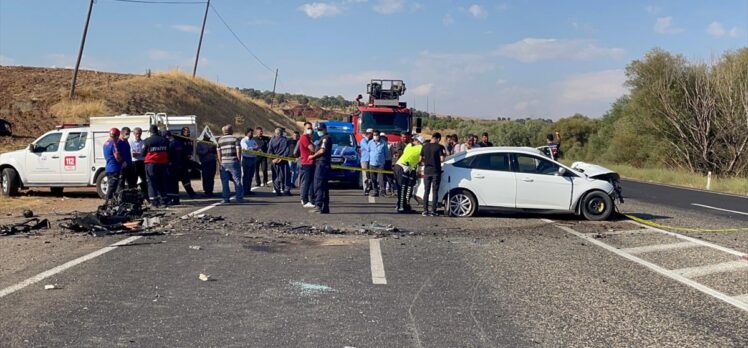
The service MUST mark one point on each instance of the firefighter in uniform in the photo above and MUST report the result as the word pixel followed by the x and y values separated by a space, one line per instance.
pixel 322 158
pixel 178 168
pixel 156 156
pixel 405 171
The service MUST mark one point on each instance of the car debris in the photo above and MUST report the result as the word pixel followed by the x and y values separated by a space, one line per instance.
pixel 33 224
pixel 28 213
pixel 51 287
pixel 124 214
pixel 195 247
pixel 204 277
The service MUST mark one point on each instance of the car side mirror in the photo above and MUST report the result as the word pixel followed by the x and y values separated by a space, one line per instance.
pixel 561 171
pixel 419 124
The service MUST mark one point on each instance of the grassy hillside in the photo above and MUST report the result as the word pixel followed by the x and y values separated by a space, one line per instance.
pixel 35 100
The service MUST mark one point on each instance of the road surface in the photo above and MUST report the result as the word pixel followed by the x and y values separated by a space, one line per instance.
pixel 497 280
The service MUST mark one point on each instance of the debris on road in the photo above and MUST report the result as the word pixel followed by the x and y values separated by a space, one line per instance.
pixel 51 287
pixel 26 226
pixel 28 213
pixel 122 215
pixel 204 277
pixel 309 288
pixel 195 247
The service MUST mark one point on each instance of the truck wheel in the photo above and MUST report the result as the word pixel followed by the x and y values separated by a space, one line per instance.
pixel 56 191
pixel 597 206
pixel 101 184
pixel 10 182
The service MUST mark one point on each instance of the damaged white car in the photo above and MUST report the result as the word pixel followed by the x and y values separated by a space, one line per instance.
pixel 525 179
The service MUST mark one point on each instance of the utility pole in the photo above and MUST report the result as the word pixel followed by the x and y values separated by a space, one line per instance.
pixel 275 81
pixel 80 50
pixel 434 108
pixel 427 105
pixel 200 43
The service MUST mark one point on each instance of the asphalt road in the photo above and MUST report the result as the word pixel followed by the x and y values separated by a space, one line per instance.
pixel 725 205
pixel 497 280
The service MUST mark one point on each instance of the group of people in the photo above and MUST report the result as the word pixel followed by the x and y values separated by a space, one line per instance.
pixel 160 162
pixel 239 160
pixel 163 160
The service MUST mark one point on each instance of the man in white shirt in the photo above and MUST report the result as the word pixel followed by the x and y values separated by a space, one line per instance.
pixel 136 147
pixel 249 161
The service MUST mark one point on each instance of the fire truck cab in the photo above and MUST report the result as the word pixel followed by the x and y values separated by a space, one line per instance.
pixel 384 111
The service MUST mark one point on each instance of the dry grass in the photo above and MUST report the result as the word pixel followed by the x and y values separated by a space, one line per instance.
pixel 78 111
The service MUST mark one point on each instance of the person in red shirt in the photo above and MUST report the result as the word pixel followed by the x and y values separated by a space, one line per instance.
pixel 306 177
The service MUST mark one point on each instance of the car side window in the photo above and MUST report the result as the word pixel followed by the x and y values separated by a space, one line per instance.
pixel 465 162
pixel 492 161
pixel 534 165
pixel 75 141
pixel 49 143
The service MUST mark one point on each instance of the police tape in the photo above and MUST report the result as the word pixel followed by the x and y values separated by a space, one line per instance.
pixel 334 166
pixel 651 223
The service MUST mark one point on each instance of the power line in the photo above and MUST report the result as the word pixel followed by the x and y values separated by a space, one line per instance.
pixel 163 2
pixel 240 41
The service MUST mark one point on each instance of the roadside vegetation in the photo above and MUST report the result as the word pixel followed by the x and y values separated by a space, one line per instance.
pixel 681 120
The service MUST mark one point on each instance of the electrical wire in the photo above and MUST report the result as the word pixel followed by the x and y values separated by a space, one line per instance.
pixel 240 41
pixel 163 2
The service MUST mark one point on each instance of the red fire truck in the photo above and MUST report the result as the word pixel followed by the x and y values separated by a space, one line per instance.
pixel 384 111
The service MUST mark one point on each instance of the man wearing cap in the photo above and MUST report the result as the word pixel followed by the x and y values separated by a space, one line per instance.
pixel 114 163
pixel 405 173
pixel 377 157
pixel 364 148
pixel 322 158
pixel 156 157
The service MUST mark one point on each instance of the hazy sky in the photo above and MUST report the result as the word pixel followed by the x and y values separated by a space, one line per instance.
pixel 516 58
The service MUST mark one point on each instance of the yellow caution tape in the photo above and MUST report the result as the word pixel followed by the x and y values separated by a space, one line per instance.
pixel 685 229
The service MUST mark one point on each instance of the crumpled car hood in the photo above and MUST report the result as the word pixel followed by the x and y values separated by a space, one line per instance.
pixel 593 170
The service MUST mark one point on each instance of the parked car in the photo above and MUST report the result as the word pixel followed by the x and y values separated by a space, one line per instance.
pixel 344 151
pixel 72 155
pixel 6 128
pixel 525 179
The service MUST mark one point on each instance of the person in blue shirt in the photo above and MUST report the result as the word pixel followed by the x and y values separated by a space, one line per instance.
pixel 364 148
pixel 114 163
pixel 129 176
pixel 377 158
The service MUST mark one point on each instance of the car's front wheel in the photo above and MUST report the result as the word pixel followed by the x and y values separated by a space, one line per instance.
pixel 461 203
pixel 10 182
pixel 597 206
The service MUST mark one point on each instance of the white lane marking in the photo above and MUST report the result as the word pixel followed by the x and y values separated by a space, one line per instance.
pixel 743 298
pixel 46 274
pixel 694 240
pixel 615 233
pixel 720 209
pixel 206 208
pixel 693 272
pixel 667 273
pixel 372 199
pixel 660 247
pixel 547 220
pixel 377 265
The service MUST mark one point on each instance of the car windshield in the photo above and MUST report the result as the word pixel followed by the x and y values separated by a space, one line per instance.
pixel 340 139
pixel 390 122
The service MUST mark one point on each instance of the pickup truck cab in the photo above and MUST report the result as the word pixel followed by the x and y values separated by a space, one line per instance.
pixel 72 155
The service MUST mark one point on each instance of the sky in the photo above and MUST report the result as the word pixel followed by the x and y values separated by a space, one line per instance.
pixel 487 59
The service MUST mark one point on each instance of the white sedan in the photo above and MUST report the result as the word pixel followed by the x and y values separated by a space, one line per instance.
pixel 524 178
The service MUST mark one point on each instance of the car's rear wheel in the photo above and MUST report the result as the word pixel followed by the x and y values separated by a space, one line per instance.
pixel 462 203
pixel 56 191
pixel 597 206
pixel 10 182
pixel 102 182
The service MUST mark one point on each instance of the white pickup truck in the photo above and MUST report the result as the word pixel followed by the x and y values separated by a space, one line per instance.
pixel 72 155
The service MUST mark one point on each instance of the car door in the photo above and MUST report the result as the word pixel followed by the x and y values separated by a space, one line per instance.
pixel 539 185
pixel 490 177
pixel 43 162
pixel 76 159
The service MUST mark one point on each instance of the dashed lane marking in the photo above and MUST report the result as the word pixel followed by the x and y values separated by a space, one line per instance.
pixel 734 301
pixel 691 239
pixel 377 265
pixel 660 247
pixel 693 272
pixel 720 209
pixel 65 266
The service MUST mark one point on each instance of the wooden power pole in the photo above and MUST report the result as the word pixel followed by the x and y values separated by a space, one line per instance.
pixel 80 50
pixel 200 43
pixel 275 81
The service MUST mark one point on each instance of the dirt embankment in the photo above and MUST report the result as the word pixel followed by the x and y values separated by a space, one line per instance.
pixel 35 100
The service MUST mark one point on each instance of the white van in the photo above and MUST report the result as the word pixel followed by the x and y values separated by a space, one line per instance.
pixel 72 155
